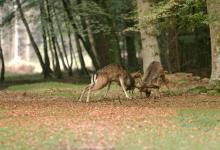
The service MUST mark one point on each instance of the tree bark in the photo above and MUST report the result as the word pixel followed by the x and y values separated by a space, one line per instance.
pixel 213 10
pixel 150 48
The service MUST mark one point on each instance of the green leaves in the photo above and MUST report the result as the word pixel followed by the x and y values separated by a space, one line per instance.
pixel 187 13
pixel 2 2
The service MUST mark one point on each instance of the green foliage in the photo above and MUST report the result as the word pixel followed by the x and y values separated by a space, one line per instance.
pixel 198 90
pixel 187 13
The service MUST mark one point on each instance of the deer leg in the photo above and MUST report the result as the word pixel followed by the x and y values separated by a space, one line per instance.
pixel 99 83
pixel 88 95
pixel 83 92
pixel 108 88
pixel 123 87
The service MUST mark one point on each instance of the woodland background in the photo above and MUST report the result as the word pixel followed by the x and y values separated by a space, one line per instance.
pixel 65 35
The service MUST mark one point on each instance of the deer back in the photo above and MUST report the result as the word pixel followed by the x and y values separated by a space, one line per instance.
pixel 113 72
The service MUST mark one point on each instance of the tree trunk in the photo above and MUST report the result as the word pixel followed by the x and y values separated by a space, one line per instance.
pixel 49 44
pixel 67 67
pixel 44 35
pixel 72 53
pixel 164 49
pixel 114 42
pixel 150 48
pixel 173 47
pixel 131 51
pixel 86 44
pixel 92 42
pixel 57 69
pixel 2 78
pixel 61 55
pixel 36 49
pixel 213 10
pixel 81 59
pixel 102 47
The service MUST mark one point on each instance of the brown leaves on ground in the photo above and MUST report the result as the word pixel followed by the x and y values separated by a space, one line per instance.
pixel 92 122
pixel 100 123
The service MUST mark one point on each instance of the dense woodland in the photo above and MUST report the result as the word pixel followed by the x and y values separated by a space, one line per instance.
pixel 182 34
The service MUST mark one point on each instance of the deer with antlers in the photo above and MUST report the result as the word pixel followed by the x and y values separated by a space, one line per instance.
pixel 153 78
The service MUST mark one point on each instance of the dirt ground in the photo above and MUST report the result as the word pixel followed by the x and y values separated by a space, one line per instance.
pixel 107 117
pixel 95 124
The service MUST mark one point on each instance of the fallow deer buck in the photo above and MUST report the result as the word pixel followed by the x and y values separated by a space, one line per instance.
pixel 107 75
pixel 153 78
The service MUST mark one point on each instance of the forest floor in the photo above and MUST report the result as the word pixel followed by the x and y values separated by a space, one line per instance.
pixel 47 115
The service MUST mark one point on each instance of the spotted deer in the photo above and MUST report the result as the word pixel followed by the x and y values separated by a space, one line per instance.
pixel 107 75
pixel 153 78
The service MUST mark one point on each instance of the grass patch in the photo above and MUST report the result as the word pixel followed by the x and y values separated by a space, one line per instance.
pixel 42 138
pixel 60 89
pixel 30 77
pixel 202 119
pixel 198 90
pixel 49 89
pixel 192 129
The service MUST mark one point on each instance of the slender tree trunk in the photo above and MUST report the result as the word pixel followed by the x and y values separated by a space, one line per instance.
pixel 86 44
pixel 51 49
pixel 62 39
pixel 61 55
pixel 57 70
pixel 2 78
pixel 44 35
pixel 72 53
pixel 213 10
pixel 150 48
pixel 92 42
pixel 81 59
pixel 131 51
pixel 36 49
